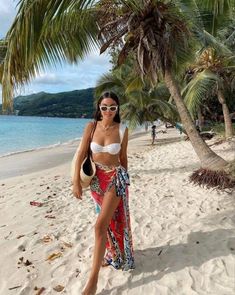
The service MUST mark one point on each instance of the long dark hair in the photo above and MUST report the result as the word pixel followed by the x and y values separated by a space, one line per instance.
pixel 107 94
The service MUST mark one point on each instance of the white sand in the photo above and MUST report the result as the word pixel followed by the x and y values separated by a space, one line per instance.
pixel 184 236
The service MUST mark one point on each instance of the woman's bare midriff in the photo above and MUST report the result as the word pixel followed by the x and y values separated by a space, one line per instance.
pixel 106 159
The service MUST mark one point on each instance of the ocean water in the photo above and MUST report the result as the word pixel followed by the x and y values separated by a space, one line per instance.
pixel 19 134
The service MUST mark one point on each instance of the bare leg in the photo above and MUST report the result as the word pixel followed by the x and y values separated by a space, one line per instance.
pixel 109 205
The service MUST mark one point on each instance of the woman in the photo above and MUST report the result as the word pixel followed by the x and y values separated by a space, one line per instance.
pixel 109 188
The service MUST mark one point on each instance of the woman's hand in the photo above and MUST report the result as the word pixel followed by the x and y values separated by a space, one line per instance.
pixel 77 190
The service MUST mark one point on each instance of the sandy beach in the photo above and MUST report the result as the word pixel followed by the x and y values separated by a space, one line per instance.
pixel 184 235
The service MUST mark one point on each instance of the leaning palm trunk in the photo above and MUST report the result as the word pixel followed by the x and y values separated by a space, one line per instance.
pixel 208 158
pixel 200 118
pixel 227 120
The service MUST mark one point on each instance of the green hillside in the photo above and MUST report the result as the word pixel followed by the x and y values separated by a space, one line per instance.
pixel 72 104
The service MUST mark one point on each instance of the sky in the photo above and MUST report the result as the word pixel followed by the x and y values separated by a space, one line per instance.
pixel 62 78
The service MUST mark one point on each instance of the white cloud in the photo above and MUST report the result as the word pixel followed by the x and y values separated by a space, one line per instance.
pixel 48 78
pixel 68 77
pixel 7 14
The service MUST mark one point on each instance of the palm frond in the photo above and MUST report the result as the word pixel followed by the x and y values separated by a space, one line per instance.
pixel 216 13
pixel 109 82
pixel 210 41
pixel 197 89
pixel 135 84
pixel 45 33
pixel 217 7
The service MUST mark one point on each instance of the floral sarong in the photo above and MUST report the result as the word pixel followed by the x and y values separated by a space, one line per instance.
pixel 119 248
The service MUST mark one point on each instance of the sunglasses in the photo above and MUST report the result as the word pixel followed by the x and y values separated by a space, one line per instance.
pixel 110 108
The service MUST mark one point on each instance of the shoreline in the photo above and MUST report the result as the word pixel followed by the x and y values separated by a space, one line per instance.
pixel 58 144
pixel 51 146
pixel 48 157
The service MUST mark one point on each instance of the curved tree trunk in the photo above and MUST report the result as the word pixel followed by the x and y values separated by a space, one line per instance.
pixel 227 120
pixel 208 158
pixel 200 118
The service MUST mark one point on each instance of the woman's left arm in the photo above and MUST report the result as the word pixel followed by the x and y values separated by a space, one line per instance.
pixel 123 152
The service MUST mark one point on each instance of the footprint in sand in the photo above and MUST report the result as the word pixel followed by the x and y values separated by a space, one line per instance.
pixel 25 291
pixel 231 244
pixel 59 270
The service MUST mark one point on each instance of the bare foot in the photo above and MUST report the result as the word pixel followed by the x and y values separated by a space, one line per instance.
pixel 90 288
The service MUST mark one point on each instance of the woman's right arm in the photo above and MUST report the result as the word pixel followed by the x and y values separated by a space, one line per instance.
pixel 77 189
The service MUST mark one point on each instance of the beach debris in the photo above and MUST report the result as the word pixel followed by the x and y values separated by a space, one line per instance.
pixel 68 245
pixel 49 211
pixel 159 252
pixel 20 236
pixel 47 239
pixel 16 287
pixel 21 248
pixel 27 263
pixel 48 187
pixel 21 258
pixel 218 142
pixel 53 256
pixel 58 288
pixel 220 180
pixel 39 291
pixel 6 237
pixel 77 272
pixel 37 204
pixel 3 184
pixel 50 216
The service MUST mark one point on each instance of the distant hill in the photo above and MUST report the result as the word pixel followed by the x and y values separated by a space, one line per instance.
pixel 72 104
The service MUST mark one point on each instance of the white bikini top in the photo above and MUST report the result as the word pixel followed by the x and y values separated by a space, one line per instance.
pixel 112 148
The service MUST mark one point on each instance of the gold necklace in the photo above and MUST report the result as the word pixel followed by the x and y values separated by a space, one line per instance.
pixel 106 128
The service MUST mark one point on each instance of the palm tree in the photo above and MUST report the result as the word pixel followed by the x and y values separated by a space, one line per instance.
pixel 212 73
pixel 216 14
pixel 3 50
pixel 147 106
pixel 158 33
pixel 46 32
pixel 139 102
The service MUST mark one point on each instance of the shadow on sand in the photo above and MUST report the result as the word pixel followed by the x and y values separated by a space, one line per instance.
pixel 200 248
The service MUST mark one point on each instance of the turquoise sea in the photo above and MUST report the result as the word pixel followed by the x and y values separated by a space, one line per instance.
pixel 19 134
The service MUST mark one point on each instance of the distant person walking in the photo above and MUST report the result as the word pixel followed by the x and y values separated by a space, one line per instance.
pixel 153 133
pixel 179 127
